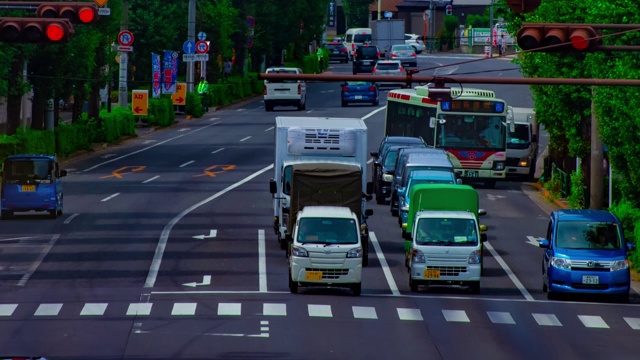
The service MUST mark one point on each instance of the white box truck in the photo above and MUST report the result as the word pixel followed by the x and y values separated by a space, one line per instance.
pixel 385 33
pixel 522 145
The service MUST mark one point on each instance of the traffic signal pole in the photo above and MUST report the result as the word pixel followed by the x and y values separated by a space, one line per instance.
pixel 123 98
pixel 191 35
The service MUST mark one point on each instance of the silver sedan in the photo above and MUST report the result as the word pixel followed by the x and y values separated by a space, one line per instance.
pixel 406 54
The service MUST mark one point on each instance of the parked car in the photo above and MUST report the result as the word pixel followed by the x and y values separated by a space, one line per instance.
pixel 405 53
pixel 337 52
pixel 389 68
pixel 415 41
pixel 365 58
pixel 359 92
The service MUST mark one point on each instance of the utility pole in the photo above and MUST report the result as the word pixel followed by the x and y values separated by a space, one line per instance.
pixel 379 9
pixel 596 193
pixel 491 29
pixel 191 35
pixel 124 59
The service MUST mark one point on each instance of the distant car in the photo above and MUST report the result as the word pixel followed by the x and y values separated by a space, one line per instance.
pixel 284 92
pixel 405 53
pixel 389 68
pixel 359 92
pixel 415 41
pixel 365 58
pixel 337 52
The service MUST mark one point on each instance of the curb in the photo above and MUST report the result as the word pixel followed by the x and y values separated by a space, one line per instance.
pixel 549 197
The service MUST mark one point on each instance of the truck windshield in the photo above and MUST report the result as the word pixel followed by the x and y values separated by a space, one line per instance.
pixel 446 232
pixel 327 231
pixel 28 169
pixel 588 235
pixel 519 139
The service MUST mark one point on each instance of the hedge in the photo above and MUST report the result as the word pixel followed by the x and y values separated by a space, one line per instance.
pixel 116 124
pixel 161 112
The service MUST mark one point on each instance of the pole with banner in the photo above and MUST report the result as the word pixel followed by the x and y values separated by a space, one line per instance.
pixel 156 74
pixel 169 72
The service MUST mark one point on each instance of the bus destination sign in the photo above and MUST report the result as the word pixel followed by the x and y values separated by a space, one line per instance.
pixel 476 106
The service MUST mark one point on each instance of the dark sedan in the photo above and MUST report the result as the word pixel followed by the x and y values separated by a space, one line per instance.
pixel 337 52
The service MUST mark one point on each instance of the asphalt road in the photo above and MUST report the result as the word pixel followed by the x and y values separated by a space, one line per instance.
pixel 166 250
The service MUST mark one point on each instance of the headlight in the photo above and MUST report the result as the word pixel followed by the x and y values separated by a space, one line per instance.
pixel 355 253
pixel 387 177
pixel 498 165
pixel 417 256
pixel 524 162
pixel 299 252
pixel 620 265
pixel 475 257
pixel 561 263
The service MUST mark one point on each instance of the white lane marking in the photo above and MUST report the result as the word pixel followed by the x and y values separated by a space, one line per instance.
pixel 593 321
pixel 364 312
pixel 455 315
pixel 139 309
pixel 373 113
pixel 246 138
pixel 184 309
pixel 309 112
pixel 187 163
pixel 241 109
pixel 547 320
pixel 500 317
pixel 48 310
pixel 41 256
pixel 150 180
pixel 7 309
pixel 369 161
pixel 68 220
pixel 164 236
pixel 93 309
pixel 229 309
pixel 214 119
pixel 320 310
pixel 383 263
pixel 184 129
pixel 268 129
pixel 510 273
pixel 262 261
pixel 274 309
pixel 633 322
pixel 409 314
pixel 110 197
pixel 106 156
pixel 18 238
pixel 217 151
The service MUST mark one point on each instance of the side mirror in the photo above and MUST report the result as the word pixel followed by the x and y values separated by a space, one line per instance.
pixel 544 243
pixel 483 237
pixel 368 212
pixel 62 173
pixel 482 212
pixel 273 187
pixel 458 181
pixel 631 246
pixel 534 138
pixel 369 188
pixel 483 228
pixel 374 154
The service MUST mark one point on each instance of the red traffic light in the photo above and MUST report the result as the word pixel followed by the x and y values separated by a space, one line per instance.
pixel 76 12
pixel 523 6
pixel 32 30
pixel 557 37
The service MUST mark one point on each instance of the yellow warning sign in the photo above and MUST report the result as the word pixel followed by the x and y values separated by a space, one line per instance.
pixel 180 96
pixel 140 103
pixel 101 3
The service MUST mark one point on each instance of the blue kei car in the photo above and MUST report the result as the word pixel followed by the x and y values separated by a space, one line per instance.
pixel 359 92
pixel 585 253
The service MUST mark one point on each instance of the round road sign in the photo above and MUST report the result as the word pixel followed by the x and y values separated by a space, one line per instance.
pixel 125 38
pixel 202 47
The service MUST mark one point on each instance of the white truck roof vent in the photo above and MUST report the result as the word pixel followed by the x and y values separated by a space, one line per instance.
pixel 472 92
pixel 316 141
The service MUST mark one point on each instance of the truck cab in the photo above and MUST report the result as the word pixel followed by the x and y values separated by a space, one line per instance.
pixel 522 144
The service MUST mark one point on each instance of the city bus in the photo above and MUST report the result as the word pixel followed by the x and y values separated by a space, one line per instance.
pixel 472 127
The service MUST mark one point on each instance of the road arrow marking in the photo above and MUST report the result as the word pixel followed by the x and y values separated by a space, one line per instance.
pixel 212 234
pixel 206 280
pixel 106 156
pixel 184 129
pixel 533 241
pixel 148 141
pixel 495 197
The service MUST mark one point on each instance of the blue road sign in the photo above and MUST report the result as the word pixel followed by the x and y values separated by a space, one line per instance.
pixel 189 47
pixel 202 36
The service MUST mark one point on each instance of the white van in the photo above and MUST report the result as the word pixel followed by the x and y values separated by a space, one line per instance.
pixel 284 92
pixel 355 37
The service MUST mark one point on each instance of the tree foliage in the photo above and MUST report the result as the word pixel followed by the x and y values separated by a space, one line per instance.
pixel 357 12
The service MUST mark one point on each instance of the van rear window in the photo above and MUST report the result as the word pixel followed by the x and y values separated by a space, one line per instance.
pixel 388 66
pixel 37 169
pixel 361 38
pixel 281 71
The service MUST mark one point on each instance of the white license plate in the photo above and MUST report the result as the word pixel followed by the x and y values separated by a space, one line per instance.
pixel 471 173
pixel 336 52
pixel 367 62
pixel 358 97
pixel 590 279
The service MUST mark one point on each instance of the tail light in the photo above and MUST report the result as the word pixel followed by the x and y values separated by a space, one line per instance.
pixel 378 54
pixel 344 89
pixel 372 88
pixel 344 50
pixel 353 46
pixel 418 41
pixel 394 55
pixel 265 90
pixel 401 68
pixel 413 54
pixel 299 89
pixel 374 70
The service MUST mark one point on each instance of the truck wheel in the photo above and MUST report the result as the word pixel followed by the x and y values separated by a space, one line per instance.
pixel 379 199
pixel 356 289
pixel 6 214
pixel 53 214
pixel 293 285
pixel 344 103
pixel 268 107
pixel 475 287
pixel 282 242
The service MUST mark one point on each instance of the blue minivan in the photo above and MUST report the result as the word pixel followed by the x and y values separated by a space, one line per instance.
pixel 31 182
pixel 585 253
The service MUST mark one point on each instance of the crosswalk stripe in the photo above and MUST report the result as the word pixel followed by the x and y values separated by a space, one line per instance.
pixel 320 310
pixel 229 309
pixel 93 309
pixel 633 322
pixel 184 309
pixel 546 320
pixel 364 312
pixel 48 310
pixel 591 321
pixel 274 309
pixel 409 314
pixel 138 309
pixel 500 317
pixel 455 315
pixel 7 309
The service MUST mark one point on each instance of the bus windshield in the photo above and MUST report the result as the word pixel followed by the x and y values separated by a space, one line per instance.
pixel 21 170
pixel 472 132
pixel 404 119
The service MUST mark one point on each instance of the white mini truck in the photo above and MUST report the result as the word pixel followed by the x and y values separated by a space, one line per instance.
pixel 326 249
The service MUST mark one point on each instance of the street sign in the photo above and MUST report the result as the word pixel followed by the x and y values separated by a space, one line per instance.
pixel 388 14
pixel 251 22
pixel 180 96
pixel 202 36
pixel 140 103
pixel 249 42
pixel 101 3
pixel 195 57
pixel 202 47
pixel 125 48
pixel 104 11
pixel 125 38
pixel 189 47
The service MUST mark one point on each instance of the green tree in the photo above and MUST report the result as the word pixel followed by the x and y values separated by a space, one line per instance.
pixel 357 12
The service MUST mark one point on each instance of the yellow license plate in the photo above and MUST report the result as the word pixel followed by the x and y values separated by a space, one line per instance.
pixel 28 188
pixel 313 275
pixel 432 274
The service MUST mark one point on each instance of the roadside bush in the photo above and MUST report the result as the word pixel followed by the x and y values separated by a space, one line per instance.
pixel 630 217
pixel 8 146
pixel 161 112
pixel 257 85
pixel 576 198
pixel 553 186
pixel 36 141
pixel 74 137
pixel 194 104
pixel 116 124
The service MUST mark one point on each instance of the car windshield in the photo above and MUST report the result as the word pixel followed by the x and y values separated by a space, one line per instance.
pixel 27 169
pixel 327 231
pixel 334 46
pixel 446 232
pixel 588 235
pixel 390 158
pixel 387 66
pixel 519 139
pixel 355 83
pixel 401 48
